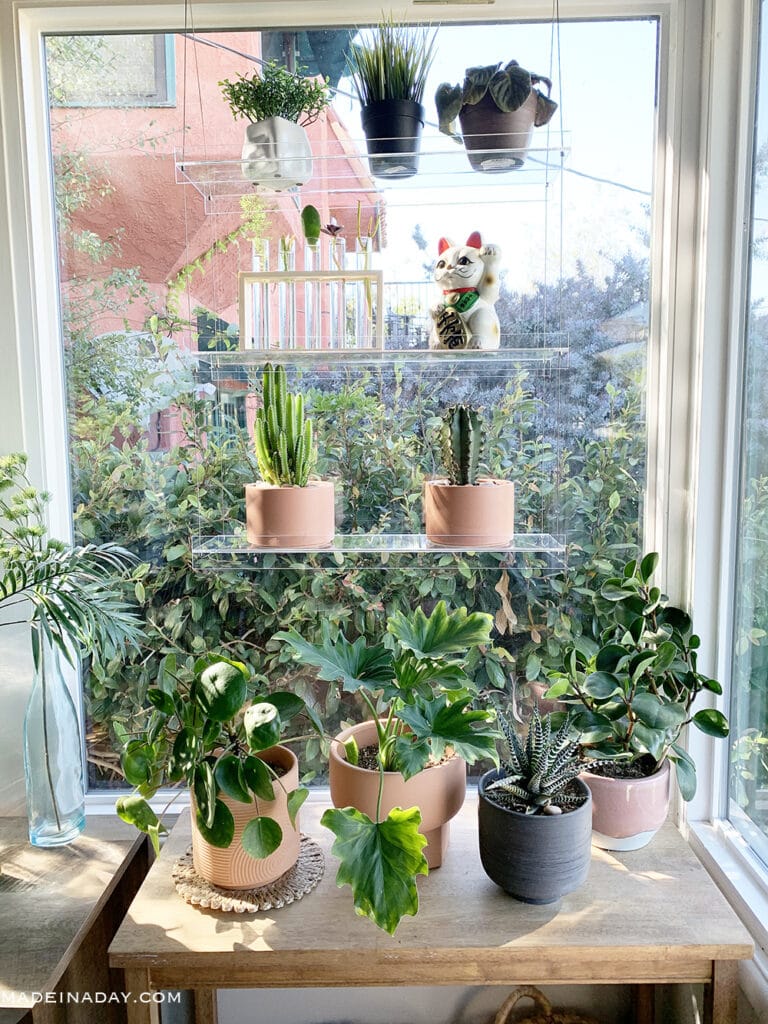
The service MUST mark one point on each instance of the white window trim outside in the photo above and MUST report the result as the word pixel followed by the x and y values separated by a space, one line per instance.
pixel 698 302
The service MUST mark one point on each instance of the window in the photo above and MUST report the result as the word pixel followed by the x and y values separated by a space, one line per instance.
pixel 111 71
pixel 748 786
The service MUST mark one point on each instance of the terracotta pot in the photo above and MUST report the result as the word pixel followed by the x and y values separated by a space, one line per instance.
pixel 438 791
pixel 497 140
pixel 537 858
pixel 233 868
pixel 627 813
pixel 290 517
pixel 472 515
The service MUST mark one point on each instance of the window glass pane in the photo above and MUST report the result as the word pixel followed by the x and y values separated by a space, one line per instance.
pixel 749 711
pixel 159 438
pixel 109 71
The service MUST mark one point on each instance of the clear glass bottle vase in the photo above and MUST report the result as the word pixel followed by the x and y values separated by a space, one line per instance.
pixel 53 765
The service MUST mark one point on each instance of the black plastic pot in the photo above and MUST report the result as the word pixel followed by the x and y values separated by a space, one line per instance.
pixel 393 136
pixel 537 858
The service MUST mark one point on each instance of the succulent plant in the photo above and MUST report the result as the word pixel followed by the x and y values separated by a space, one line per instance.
pixel 464 439
pixel 274 91
pixel 285 448
pixel 537 772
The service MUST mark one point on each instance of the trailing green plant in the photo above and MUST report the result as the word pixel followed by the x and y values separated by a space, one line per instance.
pixel 509 86
pixel 274 91
pixel 634 689
pixel 285 449
pixel 463 444
pixel 420 698
pixel 537 773
pixel 205 734
pixel 393 63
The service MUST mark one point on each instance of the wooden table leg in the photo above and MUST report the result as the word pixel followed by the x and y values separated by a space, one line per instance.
pixel 206 1006
pixel 720 996
pixel 644 998
pixel 136 983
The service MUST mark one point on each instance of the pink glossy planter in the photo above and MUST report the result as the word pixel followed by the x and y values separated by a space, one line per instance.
pixel 438 791
pixel 627 813
pixel 233 868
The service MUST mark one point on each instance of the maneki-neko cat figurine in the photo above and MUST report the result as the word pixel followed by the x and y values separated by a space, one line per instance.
pixel 468 277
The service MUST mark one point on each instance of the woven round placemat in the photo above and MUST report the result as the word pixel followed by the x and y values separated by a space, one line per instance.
pixel 292 886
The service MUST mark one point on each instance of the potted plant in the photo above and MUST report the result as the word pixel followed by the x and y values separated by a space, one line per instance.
pixel 389 73
pixel 397 779
pixel 287 509
pixel 465 509
pixel 535 814
pixel 72 598
pixel 279 104
pixel 243 785
pixel 497 108
pixel 634 689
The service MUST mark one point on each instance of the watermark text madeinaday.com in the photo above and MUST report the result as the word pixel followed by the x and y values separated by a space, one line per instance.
pixel 21 999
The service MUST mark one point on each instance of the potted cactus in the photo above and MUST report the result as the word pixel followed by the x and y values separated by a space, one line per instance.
pixel 287 509
pixel 278 104
pixel 535 814
pixel 497 108
pixel 465 509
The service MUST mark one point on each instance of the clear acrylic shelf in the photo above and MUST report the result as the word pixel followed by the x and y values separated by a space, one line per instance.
pixel 377 551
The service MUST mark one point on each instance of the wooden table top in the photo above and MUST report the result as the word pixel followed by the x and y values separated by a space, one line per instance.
pixel 49 898
pixel 652 915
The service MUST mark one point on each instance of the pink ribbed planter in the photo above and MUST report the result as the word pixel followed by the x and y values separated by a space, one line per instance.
pixel 627 813
pixel 233 868
pixel 480 515
pixel 438 791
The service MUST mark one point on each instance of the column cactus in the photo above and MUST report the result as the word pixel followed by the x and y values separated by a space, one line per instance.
pixel 464 437
pixel 283 438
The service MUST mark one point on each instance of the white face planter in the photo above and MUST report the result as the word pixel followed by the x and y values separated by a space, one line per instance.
pixel 276 152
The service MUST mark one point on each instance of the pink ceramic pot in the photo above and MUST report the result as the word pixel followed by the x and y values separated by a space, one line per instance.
pixel 438 791
pixel 471 515
pixel 233 868
pixel 290 517
pixel 627 813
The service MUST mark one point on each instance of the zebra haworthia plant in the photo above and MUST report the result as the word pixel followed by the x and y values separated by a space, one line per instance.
pixel 286 451
pixel 464 439
pixel 538 771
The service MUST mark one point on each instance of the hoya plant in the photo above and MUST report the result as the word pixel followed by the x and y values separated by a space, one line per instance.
pixel 634 688
pixel 209 735
pixel 507 85
pixel 414 685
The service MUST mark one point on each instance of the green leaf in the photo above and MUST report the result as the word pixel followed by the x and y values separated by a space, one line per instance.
pixel 288 704
pixel 295 799
pixel 411 756
pixel 558 689
pixel 162 701
pixel 262 726
pixel 204 786
pixel 685 769
pixel 231 778
pixel 601 685
pixel 222 830
pixel 137 812
pixel 467 732
pixel 257 778
pixel 221 690
pixel 261 836
pixel 657 714
pixel 712 722
pixel 137 765
pixel 592 727
pixel 645 739
pixel 648 566
pixel 310 223
pixel 354 665
pixel 379 861
pixel 441 633
pixel 184 755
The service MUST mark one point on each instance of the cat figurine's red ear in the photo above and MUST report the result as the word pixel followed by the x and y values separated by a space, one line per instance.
pixel 443 244
pixel 474 240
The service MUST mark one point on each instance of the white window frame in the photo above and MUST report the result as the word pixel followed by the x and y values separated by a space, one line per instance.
pixel 705 68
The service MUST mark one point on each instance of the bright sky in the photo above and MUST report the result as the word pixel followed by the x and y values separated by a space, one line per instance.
pixel 605 85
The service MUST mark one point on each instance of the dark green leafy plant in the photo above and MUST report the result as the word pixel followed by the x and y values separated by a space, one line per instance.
pixel 393 64
pixel 276 92
pixel 508 86
pixel 537 773
pixel 636 687
pixel 204 734
pixel 463 444
pixel 285 450
pixel 426 713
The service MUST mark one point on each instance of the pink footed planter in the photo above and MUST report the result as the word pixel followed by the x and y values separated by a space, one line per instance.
pixel 627 813
pixel 233 868
pixel 438 791
pixel 290 517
